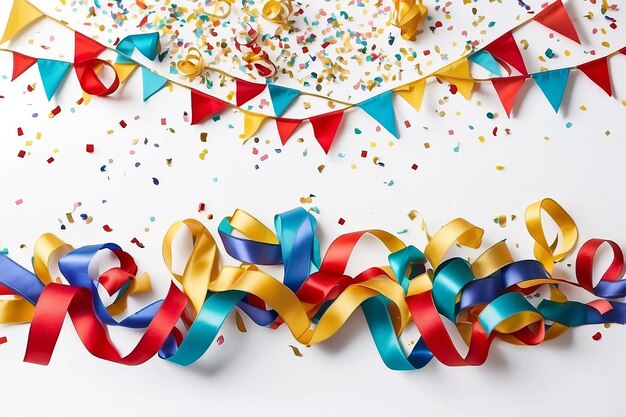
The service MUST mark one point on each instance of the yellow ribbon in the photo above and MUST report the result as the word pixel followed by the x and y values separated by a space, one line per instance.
pixel 192 65
pixel 277 11
pixel 409 16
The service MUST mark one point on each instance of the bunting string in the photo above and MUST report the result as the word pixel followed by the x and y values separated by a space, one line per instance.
pixel 486 298
pixel 501 53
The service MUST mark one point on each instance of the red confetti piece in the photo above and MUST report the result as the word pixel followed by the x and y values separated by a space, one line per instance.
pixel 21 154
pixel 163 121
pixel 201 207
pixel 107 228
pixel 341 221
pixel 50 160
pixel 18 202
pixel 137 242
pixel 407 124
pixel 20 132
pixel 3 340
pixel 55 111
pixel 597 336
pixel 363 154
pixel 414 167
pixel 220 340
pixel 89 148
pixel 123 124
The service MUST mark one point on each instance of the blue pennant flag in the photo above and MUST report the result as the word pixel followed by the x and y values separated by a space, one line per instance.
pixel 380 108
pixel 52 74
pixel 152 83
pixel 553 83
pixel 282 97
pixel 486 60
pixel 146 43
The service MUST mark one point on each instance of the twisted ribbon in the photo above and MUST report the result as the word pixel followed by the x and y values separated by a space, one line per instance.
pixel 485 298
pixel 409 15
pixel 277 11
pixel 192 65
pixel 255 57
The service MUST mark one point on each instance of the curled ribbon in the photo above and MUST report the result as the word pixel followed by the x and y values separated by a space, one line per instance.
pixel 246 42
pixel 409 16
pixel 277 11
pixel 484 298
pixel 192 65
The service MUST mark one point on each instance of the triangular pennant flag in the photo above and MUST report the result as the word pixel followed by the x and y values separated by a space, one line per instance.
pixel 507 89
pixel 282 97
pixel 246 91
pixel 251 124
pixel 22 14
pixel 553 83
pixel 21 63
pixel 380 107
pixel 556 18
pixel 485 60
pixel 152 83
pixel 124 70
pixel 146 43
pixel 506 49
pixel 413 93
pixel 598 72
pixel 622 51
pixel 325 128
pixel 86 48
pixel 458 74
pixel 203 106
pixel 286 127
pixel 52 73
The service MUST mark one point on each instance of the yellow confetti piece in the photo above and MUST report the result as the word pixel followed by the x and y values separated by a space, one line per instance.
pixel 296 351
pixel 241 326
pixel 499 167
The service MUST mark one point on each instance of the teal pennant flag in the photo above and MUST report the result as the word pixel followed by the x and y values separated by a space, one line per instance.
pixel 380 107
pixel 553 84
pixel 485 60
pixel 152 83
pixel 282 97
pixel 146 43
pixel 52 74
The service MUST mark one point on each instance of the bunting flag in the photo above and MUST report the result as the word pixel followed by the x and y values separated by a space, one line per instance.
pixel 413 93
pixel 286 127
pixel 325 127
pixel 246 91
pixel 553 83
pixel 507 89
pixel 152 83
pixel 22 14
pixel 505 48
pixel 458 74
pixel 555 17
pixel 486 60
pixel 146 43
pixel 52 74
pixel 20 64
pixel 251 124
pixel 203 106
pixel 86 48
pixel 598 72
pixel 380 107
pixel 124 70
pixel 282 97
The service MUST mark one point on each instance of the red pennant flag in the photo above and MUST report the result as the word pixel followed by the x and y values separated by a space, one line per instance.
pixel 506 49
pixel 246 91
pixel 286 127
pixel 507 89
pixel 598 72
pixel 325 128
pixel 623 51
pixel 21 63
pixel 556 18
pixel 86 48
pixel 203 106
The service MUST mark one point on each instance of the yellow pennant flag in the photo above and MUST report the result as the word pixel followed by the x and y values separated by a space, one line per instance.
pixel 413 93
pixel 22 14
pixel 251 123
pixel 458 74
pixel 124 71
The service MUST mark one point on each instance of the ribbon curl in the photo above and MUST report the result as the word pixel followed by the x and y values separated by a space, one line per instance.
pixel 255 57
pixel 277 11
pixel 409 15
pixel 192 65
pixel 485 299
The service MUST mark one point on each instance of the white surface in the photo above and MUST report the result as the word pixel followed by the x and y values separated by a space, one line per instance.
pixel 256 372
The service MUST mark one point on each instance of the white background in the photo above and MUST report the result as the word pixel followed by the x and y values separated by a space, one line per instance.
pixel 256 372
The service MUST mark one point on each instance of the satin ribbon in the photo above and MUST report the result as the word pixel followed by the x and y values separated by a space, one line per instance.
pixel 485 298
pixel 192 65
pixel 409 15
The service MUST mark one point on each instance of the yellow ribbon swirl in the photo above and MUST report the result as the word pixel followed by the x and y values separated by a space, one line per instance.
pixel 409 15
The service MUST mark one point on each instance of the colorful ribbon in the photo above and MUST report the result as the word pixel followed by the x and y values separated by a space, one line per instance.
pixel 277 11
pixel 246 42
pixel 485 298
